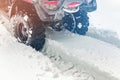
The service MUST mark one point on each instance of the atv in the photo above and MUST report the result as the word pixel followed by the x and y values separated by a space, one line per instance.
pixel 29 18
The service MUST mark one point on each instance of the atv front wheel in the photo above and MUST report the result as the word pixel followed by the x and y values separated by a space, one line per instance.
pixel 77 22
pixel 82 22
pixel 29 30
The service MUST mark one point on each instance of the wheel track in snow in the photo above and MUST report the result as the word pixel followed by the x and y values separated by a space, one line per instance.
pixel 67 68
pixel 68 65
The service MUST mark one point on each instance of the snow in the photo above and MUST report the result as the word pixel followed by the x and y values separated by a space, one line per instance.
pixel 107 16
pixel 20 62
pixel 94 52
pixel 67 56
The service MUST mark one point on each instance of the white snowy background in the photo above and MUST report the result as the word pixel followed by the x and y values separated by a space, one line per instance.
pixel 66 56
pixel 107 15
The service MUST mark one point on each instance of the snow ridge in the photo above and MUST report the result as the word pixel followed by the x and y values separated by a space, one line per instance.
pixel 104 35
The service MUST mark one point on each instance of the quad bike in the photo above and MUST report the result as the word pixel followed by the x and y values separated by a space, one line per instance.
pixel 29 18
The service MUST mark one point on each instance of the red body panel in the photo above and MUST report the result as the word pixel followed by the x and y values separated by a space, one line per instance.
pixel 29 1
pixel 73 4
pixel 51 2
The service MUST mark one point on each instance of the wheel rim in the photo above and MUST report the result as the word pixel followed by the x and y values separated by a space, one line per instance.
pixel 23 35
pixel 69 22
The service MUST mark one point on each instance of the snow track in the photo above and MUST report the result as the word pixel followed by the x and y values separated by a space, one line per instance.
pixel 72 65
pixel 85 53
pixel 71 57
pixel 67 56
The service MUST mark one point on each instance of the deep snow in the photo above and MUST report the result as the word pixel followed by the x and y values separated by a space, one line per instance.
pixel 17 58
pixel 97 53
pixel 60 61
pixel 20 62
pixel 67 56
